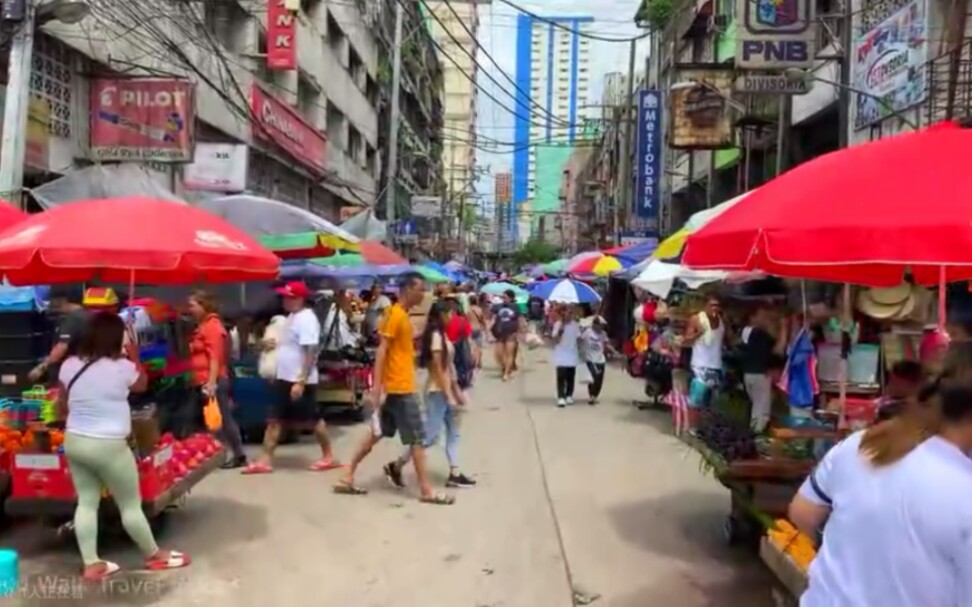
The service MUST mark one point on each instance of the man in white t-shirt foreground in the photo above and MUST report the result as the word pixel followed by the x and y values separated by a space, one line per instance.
pixel 297 377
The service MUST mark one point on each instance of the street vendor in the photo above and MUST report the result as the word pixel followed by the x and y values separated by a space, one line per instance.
pixel 66 301
pixel 706 334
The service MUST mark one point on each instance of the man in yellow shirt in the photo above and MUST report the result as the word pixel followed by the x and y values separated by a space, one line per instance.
pixel 395 392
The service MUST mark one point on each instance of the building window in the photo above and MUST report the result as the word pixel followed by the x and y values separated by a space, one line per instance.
pixel 51 79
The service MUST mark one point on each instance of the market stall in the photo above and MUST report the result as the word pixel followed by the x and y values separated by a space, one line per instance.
pixel 839 219
pixel 163 243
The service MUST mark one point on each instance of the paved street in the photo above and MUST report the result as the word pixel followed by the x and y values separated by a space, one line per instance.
pixel 597 500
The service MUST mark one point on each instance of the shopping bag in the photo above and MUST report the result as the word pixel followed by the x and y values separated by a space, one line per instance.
pixel 584 374
pixel 212 416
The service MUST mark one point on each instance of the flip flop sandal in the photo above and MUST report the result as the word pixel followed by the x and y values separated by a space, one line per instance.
pixel 109 570
pixel 176 560
pixel 323 465
pixel 438 499
pixel 255 468
pixel 349 489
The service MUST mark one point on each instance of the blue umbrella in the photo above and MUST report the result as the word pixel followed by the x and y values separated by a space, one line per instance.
pixel 565 291
pixel 302 268
pixel 441 269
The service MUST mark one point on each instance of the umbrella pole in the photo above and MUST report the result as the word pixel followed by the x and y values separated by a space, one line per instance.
pixel 847 323
pixel 941 299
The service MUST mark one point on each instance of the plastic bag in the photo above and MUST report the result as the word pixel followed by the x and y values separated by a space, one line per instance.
pixel 584 374
pixel 212 416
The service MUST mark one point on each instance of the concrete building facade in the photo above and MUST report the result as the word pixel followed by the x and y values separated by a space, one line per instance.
pixel 455 26
pixel 222 48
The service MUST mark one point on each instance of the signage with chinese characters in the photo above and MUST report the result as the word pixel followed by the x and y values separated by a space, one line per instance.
pixel 648 155
pixel 775 34
pixel 217 167
pixel 280 124
pixel 142 119
pixel 281 36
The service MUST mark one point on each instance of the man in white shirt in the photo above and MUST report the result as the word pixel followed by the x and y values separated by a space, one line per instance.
pixel 566 353
pixel 339 335
pixel 297 378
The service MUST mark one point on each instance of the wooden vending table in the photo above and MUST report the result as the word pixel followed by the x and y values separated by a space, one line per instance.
pixel 787 572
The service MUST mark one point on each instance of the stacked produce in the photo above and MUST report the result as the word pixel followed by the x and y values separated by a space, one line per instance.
pixel 726 435
pixel 792 542
pixel 16 441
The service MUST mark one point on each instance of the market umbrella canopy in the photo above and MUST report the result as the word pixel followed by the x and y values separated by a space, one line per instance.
pixel 430 275
pixel 10 215
pixel 672 247
pixel 370 253
pixel 159 241
pixel 844 217
pixel 565 291
pixel 599 265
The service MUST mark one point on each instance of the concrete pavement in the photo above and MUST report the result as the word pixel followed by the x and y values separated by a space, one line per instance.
pixel 598 500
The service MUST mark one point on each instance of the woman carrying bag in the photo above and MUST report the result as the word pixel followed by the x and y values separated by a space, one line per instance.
pixel 95 385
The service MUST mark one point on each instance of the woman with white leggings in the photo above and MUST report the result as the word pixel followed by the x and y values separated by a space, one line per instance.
pixel 95 385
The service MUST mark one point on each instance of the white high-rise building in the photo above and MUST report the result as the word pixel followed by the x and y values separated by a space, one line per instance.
pixel 553 77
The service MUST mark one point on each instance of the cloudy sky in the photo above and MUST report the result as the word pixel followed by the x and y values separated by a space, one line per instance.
pixel 497 37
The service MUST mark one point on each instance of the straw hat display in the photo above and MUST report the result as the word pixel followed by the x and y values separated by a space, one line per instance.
pixel 902 302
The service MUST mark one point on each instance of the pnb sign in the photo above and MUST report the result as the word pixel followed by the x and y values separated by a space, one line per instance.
pixel 775 34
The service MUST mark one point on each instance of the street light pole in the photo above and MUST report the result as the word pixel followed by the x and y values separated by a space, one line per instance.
pixel 627 152
pixel 13 145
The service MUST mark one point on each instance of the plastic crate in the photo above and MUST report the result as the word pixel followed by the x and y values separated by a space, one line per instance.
pixel 18 413
pixel 41 476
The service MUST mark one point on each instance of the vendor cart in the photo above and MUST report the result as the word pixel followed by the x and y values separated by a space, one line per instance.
pixel 760 490
pixel 791 577
pixel 41 486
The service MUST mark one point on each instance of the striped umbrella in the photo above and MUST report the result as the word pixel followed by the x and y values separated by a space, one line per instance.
pixel 599 265
pixel 671 247
pixel 565 291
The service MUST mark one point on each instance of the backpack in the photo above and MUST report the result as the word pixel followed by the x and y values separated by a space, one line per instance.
pixel 463 362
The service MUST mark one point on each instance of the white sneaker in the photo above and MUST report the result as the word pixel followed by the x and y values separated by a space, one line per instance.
pixel 570 400
pixel 561 402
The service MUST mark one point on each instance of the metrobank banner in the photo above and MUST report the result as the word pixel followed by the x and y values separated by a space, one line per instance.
pixel 647 194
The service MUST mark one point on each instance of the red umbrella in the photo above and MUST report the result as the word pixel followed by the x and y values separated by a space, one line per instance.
pixel 375 253
pixel 10 215
pixel 864 215
pixel 125 239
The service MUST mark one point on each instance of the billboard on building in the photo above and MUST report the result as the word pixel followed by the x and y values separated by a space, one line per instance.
pixel 647 194
pixel 142 119
pixel 426 206
pixel 699 111
pixel 775 34
pixel 888 64
pixel 217 167
pixel 281 36
pixel 279 123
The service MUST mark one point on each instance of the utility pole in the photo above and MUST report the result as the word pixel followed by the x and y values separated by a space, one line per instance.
pixel 627 187
pixel 13 144
pixel 844 94
pixel 391 171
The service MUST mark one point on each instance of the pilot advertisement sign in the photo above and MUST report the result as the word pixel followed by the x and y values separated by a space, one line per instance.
pixel 142 119
pixel 647 196
pixel 887 64
pixel 775 34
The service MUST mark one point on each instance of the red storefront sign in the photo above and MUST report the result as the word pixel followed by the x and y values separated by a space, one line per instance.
pixel 278 123
pixel 142 119
pixel 281 36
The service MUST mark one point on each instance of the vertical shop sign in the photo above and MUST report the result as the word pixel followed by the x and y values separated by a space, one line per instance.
pixel 281 36
pixel 647 183
pixel 139 119
pixel 775 34
pixel 889 64
pixel 278 123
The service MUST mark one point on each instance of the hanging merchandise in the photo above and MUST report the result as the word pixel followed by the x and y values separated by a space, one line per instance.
pixel 895 304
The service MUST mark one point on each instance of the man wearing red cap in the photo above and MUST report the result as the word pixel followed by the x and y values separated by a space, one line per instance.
pixel 297 378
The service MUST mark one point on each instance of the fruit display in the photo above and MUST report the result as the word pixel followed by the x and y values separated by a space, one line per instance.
pixel 16 441
pixel 792 542
pixel 726 436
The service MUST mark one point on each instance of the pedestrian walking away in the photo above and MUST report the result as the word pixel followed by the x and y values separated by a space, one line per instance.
pixel 507 325
pixel 443 392
pixel 296 380
pixel 595 345
pixel 395 394
pixel 566 352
